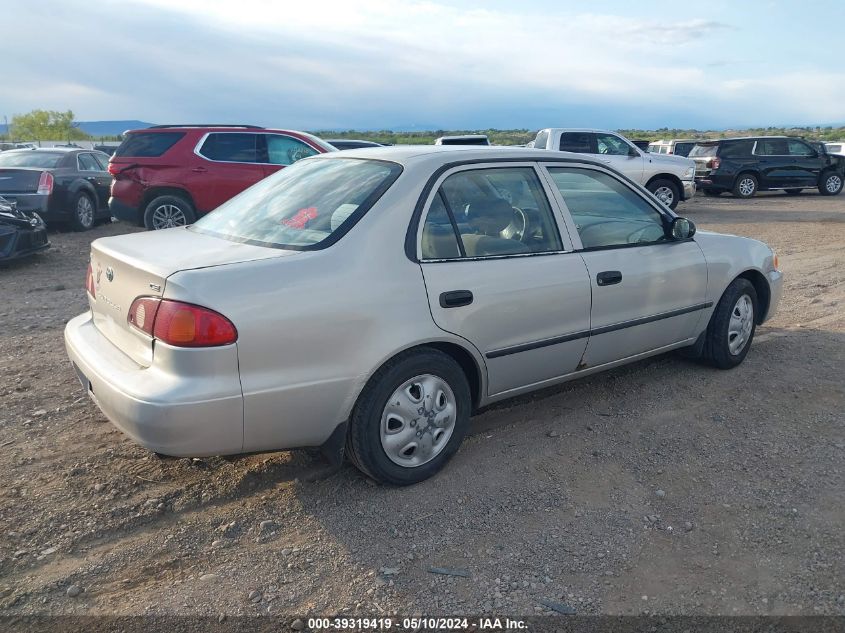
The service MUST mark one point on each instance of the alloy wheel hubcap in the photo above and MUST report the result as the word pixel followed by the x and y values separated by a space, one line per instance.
pixel 85 211
pixel 418 420
pixel 168 215
pixel 740 325
pixel 746 186
pixel 665 195
pixel 833 184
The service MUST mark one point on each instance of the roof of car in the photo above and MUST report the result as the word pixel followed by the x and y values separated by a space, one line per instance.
pixel 713 141
pixel 407 154
pixel 63 150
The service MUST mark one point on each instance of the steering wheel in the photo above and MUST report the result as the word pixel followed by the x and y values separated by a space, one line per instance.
pixel 518 227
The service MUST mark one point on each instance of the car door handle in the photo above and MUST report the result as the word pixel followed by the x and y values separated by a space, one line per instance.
pixel 455 298
pixel 609 277
pixel 199 170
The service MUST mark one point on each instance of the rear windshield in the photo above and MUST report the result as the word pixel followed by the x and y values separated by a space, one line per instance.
pixel 704 150
pixel 306 206
pixel 29 158
pixel 683 149
pixel 147 144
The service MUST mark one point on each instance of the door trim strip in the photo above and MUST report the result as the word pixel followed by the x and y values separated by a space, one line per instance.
pixel 564 338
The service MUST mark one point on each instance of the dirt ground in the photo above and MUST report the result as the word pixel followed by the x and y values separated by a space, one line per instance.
pixel 662 487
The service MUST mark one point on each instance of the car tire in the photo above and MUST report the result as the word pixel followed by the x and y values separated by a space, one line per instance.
pixel 830 183
pixel 745 186
pixel 168 211
pixel 732 326
pixel 793 192
pixel 666 191
pixel 386 438
pixel 83 210
pixel 712 192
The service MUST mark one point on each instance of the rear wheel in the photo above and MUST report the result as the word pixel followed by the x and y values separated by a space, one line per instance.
pixel 793 192
pixel 732 326
pixel 745 186
pixel 410 419
pixel 830 184
pixel 666 191
pixel 168 211
pixel 82 212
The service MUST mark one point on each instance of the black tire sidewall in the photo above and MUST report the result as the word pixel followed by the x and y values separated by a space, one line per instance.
pixel 742 177
pixel 662 182
pixel 716 349
pixel 77 225
pixel 364 439
pixel 178 201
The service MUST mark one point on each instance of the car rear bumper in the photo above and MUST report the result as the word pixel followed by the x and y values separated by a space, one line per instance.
pixel 37 202
pixel 188 403
pixel 123 211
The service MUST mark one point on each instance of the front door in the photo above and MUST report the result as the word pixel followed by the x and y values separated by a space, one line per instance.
pixel 499 274
pixel 616 153
pixel 647 292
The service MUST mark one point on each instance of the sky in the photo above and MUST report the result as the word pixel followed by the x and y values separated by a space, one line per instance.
pixel 403 65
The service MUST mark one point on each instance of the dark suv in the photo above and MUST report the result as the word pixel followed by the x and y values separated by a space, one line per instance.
pixel 746 165
pixel 168 175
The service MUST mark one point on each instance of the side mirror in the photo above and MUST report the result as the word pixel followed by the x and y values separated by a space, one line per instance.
pixel 681 229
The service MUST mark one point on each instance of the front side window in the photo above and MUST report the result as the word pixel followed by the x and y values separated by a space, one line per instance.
pixel 309 205
pixel 232 147
pixel 606 212
pixel 102 160
pixel 612 145
pixel 772 147
pixel 798 148
pixel 87 162
pixel 493 212
pixel 284 150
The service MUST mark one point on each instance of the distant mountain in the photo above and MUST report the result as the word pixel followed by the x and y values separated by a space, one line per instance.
pixel 110 128
pixel 102 128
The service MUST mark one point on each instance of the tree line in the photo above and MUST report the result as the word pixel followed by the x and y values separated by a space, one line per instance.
pixel 51 125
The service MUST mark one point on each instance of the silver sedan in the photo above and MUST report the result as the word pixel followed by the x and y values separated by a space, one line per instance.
pixel 369 301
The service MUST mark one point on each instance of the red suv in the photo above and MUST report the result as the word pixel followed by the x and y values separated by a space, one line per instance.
pixel 168 175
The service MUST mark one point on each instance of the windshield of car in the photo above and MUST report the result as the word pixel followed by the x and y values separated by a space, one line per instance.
pixel 29 158
pixel 704 150
pixel 306 206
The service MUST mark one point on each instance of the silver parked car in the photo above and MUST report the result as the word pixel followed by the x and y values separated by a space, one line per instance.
pixel 372 299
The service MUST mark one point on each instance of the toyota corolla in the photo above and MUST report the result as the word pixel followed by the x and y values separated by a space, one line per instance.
pixel 369 301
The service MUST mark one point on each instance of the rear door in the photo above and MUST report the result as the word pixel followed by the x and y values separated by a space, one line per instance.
pixel 500 274
pixel 94 171
pixel 647 292
pixel 230 162
pixel 775 164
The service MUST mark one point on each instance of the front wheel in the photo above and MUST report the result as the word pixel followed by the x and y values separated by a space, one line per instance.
pixel 410 419
pixel 732 326
pixel 82 212
pixel 666 191
pixel 168 211
pixel 745 186
pixel 831 184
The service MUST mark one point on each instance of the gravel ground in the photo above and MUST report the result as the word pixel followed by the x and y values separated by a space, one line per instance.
pixel 662 487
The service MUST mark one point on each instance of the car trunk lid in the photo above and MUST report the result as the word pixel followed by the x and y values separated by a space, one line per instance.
pixel 19 179
pixel 130 266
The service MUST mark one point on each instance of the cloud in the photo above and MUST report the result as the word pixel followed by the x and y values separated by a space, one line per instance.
pixel 379 63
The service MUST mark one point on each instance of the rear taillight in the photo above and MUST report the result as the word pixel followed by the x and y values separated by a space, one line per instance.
pixel 89 282
pixel 45 184
pixel 181 324
pixel 714 163
pixel 114 170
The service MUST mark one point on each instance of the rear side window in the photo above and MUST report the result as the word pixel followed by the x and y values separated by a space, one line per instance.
pixel 772 147
pixel 306 206
pixel 738 149
pixel 148 144
pixel 576 142
pixel 706 150
pixel 231 147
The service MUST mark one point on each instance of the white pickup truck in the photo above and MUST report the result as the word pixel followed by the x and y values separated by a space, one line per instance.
pixel 670 178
